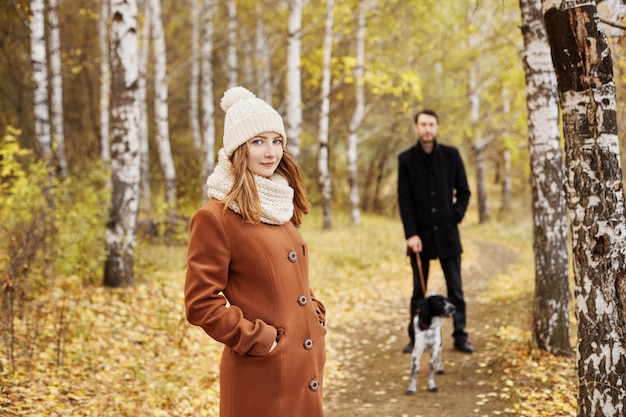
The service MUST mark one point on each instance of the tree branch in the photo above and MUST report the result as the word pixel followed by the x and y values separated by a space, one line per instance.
pixel 611 23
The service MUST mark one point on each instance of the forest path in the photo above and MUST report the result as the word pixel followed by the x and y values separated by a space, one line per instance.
pixel 473 385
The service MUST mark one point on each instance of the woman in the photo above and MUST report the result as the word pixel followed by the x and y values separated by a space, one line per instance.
pixel 247 280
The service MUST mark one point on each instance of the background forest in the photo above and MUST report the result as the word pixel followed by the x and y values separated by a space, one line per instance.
pixel 463 59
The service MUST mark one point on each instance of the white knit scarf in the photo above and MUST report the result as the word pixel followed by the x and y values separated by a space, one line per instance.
pixel 274 192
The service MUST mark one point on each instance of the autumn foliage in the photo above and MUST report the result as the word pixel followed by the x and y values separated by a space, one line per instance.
pixel 72 347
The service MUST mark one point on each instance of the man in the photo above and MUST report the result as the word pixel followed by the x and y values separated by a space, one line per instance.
pixel 433 195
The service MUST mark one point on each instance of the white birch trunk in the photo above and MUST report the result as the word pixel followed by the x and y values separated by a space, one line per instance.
pixel 550 244
pixel 506 157
pixel 56 92
pixel 208 110
pixel 142 92
pixel 105 83
pixel 322 164
pixel 232 43
pixel 39 76
pixel 595 201
pixel 506 179
pixel 120 236
pixel 194 85
pixel 357 116
pixel 478 149
pixel 263 60
pixel 478 146
pixel 248 64
pixel 294 82
pixel 43 141
pixel 161 108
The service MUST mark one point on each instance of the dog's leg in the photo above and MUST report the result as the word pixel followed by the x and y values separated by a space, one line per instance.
pixel 439 364
pixel 418 349
pixel 435 365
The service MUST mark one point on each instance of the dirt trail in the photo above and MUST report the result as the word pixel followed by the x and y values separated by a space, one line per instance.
pixel 473 385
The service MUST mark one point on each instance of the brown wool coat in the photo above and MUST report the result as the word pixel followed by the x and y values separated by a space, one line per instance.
pixel 262 270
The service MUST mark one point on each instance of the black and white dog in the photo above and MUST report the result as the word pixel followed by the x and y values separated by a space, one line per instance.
pixel 427 326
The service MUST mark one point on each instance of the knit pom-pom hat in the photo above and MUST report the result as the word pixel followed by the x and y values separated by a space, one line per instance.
pixel 246 117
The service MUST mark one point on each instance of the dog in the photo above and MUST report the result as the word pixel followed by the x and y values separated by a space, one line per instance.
pixel 427 325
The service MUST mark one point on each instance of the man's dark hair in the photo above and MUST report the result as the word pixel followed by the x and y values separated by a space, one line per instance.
pixel 429 112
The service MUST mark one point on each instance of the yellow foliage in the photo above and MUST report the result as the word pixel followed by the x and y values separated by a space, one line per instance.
pixel 130 352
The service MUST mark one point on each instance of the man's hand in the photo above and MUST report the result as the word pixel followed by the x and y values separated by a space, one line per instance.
pixel 414 244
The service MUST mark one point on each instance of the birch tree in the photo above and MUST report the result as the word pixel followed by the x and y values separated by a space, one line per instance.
pixel 263 60
pixel 120 236
pixel 552 293
pixel 357 116
pixel 231 59
pixel 595 201
pixel 194 84
pixel 39 77
pixel 208 110
pixel 479 144
pixel 56 90
pixel 507 183
pixel 294 78
pixel 39 64
pixel 142 93
pixel 322 164
pixel 161 108
pixel 506 158
pixel 105 81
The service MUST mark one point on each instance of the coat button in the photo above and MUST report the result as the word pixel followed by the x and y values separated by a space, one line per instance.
pixel 292 256
pixel 308 344
pixel 302 300
pixel 314 385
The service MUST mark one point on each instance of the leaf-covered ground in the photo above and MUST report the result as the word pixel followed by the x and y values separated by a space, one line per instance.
pixel 130 352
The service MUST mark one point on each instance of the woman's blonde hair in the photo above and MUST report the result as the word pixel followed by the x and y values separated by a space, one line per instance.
pixel 244 188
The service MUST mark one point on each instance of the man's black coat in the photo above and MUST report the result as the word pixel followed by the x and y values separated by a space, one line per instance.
pixel 433 195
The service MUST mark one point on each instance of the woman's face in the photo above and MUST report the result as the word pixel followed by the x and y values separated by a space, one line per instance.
pixel 265 151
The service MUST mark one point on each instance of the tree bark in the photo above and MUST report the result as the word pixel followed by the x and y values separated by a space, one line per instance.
pixel 595 200
pixel 208 109
pixel 506 157
pixel 43 140
pixel 357 116
pixel 478 150
pixel 507 182
pixel 161 108
pixel 194 84
pixel 294 82
pixel 263 59
pixel 105 83
pixel 322 162
pixel 56 91
pixel 142 93
pixel 39 65
pixel 478 147
pixel 552 293
pixel 232 43
pixel 125 153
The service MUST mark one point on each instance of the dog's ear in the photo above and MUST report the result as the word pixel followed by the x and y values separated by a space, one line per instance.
pixel 422 305
pixel 438 302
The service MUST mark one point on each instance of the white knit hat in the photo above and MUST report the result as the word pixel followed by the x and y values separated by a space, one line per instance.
pixel 246 117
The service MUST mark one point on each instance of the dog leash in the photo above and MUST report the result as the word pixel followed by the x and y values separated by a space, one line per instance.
pixel 419 268
pixel 422 325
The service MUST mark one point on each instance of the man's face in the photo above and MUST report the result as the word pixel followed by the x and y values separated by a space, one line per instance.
pixel 426 128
